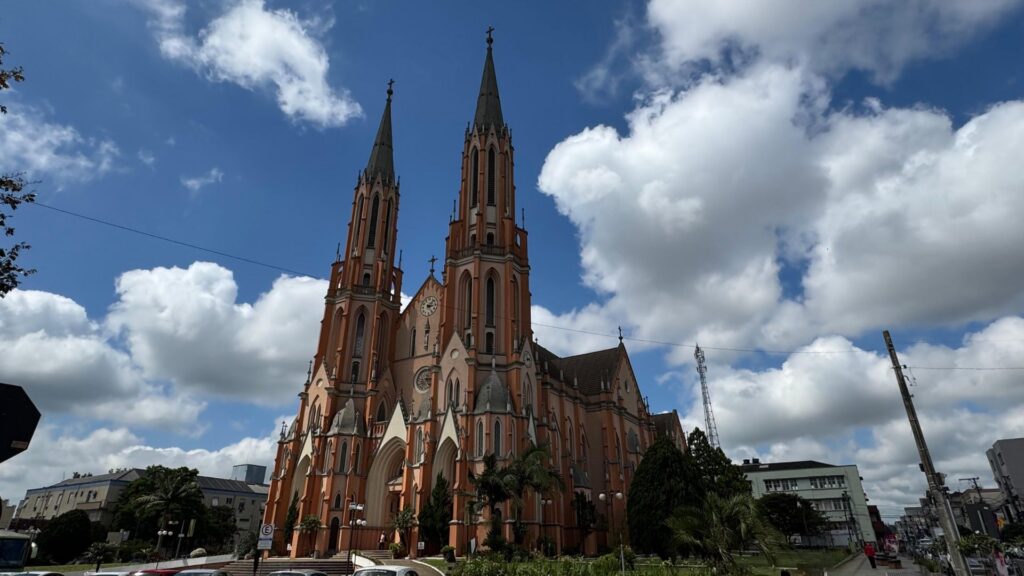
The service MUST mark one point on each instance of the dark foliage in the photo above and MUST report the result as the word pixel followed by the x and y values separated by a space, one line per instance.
pixel 12 195
pixel 661 485
pixel 713 471
pixel 65 537
pixel 790 514
pixel 586 515
pixel 436 513
pixel 291 519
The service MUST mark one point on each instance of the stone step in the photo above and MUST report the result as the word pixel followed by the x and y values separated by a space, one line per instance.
pixel 331 566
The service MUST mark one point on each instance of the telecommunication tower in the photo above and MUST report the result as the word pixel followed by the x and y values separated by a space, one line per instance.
pixel 709 414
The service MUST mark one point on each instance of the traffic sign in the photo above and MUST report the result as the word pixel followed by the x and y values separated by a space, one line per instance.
pixel 266 531
pixel 18 419
pixel 264 544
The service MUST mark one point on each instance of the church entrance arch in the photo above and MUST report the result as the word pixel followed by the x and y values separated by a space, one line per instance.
pixel 384 483
pixel 332 543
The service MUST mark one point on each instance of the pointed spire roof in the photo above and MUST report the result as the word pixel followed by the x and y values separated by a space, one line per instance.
pixel 488 104
pixel 382 156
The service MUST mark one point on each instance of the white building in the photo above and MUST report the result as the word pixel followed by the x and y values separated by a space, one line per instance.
pixel 835 491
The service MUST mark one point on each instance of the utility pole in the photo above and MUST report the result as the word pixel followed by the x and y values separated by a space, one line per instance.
pixel 936 485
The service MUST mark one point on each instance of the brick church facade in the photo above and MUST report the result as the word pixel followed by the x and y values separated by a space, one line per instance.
pixel 396 397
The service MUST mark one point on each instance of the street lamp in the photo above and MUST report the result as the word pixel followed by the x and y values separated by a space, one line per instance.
pixel 543 520
pixel 32 533
pixel 181 536
pixel 159 542
pixel 611 507
pixel 353 507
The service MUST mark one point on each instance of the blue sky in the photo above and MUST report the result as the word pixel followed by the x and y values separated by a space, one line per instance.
pixel 774 178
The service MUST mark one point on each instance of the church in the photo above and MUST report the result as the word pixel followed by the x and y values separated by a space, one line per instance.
pixel 396 397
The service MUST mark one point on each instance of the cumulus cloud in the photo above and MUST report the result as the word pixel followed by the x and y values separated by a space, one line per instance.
pixel 53 454
pixel 186 326
pixel 196 183
pixel 257 48
pixel 877 36
pixel 48 150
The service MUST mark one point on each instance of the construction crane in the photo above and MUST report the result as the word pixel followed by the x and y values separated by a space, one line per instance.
pixel 709 414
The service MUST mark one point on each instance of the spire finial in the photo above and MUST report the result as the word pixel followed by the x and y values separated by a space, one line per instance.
pixel 432 260
pixel 620 334
pixel 309 372
pixel 391 82
pixel 490 39
pixel 337 253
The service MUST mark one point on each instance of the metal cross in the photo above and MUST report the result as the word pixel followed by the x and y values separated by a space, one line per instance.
pixel 490 40
pixel 432 260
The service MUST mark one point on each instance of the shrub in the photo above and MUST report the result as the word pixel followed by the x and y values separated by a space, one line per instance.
pixel 397 550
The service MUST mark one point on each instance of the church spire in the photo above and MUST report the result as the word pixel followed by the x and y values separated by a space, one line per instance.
pixel 382 156
pixel 488 104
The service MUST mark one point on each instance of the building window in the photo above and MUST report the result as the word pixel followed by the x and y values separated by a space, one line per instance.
pixel 343 459
pixel 490 238
pixel 360 329
pixel 382 412
pixel 820 482
pixel 418 449
pixel 489 343
pixel 230 500
pixel 490 301
pixel 467 288
pixel 412 348
pixel 241 506
pixel 387 227
pixel 355 460
pixel 480 438
pixel 475 178
pixel 354 376
pixel 358 219
pixel 497 438
pixel 780 485
pixel 371 238
pixel 215 501
pixel 490 177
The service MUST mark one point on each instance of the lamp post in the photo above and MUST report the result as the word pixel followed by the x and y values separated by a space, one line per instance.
pixel 159 543
pixel 611 507
pixel 353 507
pixel 181 536
pixel 543 521
pixel 32 533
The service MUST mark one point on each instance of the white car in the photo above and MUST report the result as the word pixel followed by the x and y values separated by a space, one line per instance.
pixel 386 570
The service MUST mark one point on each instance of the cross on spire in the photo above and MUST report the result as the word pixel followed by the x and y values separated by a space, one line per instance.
pixel 391 82
pixel 620 334
pixel 432 260
pixel 490 39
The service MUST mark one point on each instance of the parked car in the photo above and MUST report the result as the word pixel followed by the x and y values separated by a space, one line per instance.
pixel 386 570
pixel 156 572
pixel 110 573
pixel 303 572
pixel 202 572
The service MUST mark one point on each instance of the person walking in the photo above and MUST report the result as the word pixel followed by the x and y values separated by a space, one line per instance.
pixel 869 551
pixel 380 541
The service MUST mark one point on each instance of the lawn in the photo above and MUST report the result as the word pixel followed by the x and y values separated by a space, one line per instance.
pixel 812 561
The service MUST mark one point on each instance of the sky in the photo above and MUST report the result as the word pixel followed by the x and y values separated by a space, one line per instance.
pixel 778 181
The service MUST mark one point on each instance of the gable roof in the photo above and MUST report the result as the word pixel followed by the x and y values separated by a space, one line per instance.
pixel 590 369
pixel 774 466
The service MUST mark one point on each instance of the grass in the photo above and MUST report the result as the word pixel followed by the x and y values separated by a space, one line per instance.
pixel 812 560
pixel 438 563
pixel 73 567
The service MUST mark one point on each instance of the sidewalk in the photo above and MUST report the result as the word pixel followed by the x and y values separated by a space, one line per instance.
pixel 859 566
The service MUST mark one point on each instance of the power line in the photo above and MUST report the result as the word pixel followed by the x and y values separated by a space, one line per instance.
pixel 171 240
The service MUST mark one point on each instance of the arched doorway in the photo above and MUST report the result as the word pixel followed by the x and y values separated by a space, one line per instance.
pixel 332 542
pixel 384 483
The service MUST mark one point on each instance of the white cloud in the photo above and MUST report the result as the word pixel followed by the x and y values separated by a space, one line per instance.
pixel 877 36
pixel 185 326
pixel 47 150
pixel 146 157
pixel 196 183
pixel 257 48
pixel 54 454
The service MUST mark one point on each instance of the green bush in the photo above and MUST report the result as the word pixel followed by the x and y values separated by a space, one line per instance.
pixel 397 550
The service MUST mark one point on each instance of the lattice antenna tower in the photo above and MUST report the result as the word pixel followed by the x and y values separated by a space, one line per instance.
pixel 709 414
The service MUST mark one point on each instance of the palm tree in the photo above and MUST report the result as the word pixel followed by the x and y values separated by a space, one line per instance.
pixel 491 491
pixel 402 523
pixel 174 492
pixel 530 471
pixel 719 526
pixel 310 525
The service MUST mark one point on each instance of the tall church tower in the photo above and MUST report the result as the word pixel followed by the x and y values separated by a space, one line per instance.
pixel 325 449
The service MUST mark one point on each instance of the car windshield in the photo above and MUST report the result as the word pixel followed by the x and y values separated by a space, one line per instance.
pixel 375 572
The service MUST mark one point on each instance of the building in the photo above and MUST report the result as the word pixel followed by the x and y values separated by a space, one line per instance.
pixel 835 491
pixel 976 509
pixel 396 397
pixel 97 496
pixel 1006 458
pixel 668 424
pixel 250 474
pixel 6 513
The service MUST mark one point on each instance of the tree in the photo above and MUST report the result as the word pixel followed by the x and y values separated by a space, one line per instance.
pixel 436 514
pixel 661 484
pixel 403 523
pixel 309 526
pixel 1012 532
pixel 717 527
pixel 790 514
pixel 12 185
pixel 291 518
pixel 491 491
pixel 713 471
pixel 218 526
pixel 98 553
pixel 528 472
pixel 65 537
pixel 246 544
pixel 586 515
pixel 171 494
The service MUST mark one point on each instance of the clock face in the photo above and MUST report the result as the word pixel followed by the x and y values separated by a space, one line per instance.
pixel 428 306
pixel 423 380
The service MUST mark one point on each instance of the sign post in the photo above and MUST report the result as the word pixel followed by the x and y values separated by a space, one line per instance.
pixel 265 542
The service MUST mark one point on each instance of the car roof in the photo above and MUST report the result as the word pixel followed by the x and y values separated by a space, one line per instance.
pixel 296 571
pixel 393 567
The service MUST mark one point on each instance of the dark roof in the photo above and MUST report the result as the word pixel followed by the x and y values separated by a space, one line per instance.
pixel 225 485
pixel 590 369
pixel 122 476
pixel 666 422
pixel 765 466
pixel 488 104
pixel 382 156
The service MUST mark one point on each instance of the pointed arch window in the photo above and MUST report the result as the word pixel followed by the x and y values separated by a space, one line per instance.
pixel 355 460
pixel 448 392
pixel 474 178
pixel 358 220
pixel 467 304
pixel 366 279
pixel 515 308
pixel 412 347
pixel 490 238
pixel 387 227
pixel 490 176
pixel 360 329
pixel 497 438
pixel 371 238
pixel 418 452
pixel 489 343
pixel 337 501
pixel 490 301
pixel 343 459
pixel 382 412
pixel 457 396
pixel 480 438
